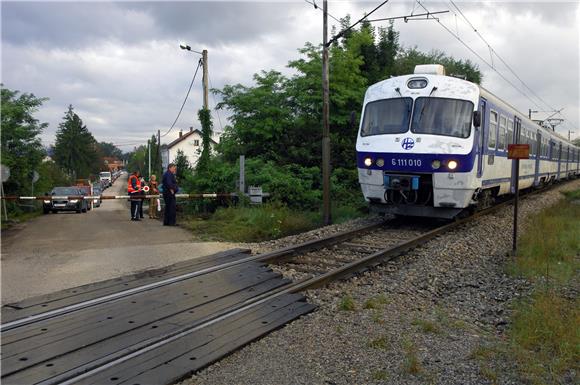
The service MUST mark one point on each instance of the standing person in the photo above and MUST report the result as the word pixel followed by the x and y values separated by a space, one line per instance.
pixel 153 201
pixel 169 190
pixel 134 189
pixel 143 184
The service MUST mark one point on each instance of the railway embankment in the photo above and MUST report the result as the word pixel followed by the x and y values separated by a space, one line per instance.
pixel 442 314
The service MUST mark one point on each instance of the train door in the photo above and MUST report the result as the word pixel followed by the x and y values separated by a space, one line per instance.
pixel 559 160
pixel 480 137
pixel 516 139
pixel 538 154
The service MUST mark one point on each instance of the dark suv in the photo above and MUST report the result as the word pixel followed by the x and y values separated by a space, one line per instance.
pixel 62 202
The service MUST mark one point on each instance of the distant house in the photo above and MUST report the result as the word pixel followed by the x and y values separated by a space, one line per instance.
pixel 190 143
pixel 112 163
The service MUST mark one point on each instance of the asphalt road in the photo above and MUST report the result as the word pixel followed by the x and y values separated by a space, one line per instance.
pixel 59 251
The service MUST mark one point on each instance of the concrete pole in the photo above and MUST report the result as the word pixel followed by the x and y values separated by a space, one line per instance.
pixel 242 174
pixel 149 146
pixel 205 80
pixel 327 219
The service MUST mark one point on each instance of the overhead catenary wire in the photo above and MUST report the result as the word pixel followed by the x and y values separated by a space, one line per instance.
pixel 481 58
pixel 345 30
pixel 493 53
pixel 184 100
pixel 313 3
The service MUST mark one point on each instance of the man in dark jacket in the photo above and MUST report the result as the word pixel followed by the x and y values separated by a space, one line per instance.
pixel 169 190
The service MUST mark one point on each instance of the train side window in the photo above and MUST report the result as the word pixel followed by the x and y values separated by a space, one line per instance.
pixel 510 132
pixel 501 140
pixel 491 142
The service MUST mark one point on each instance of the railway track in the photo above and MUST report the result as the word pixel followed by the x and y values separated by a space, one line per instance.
pixel 161 326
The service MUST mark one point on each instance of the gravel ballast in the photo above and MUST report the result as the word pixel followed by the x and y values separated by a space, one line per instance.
pixel 434 315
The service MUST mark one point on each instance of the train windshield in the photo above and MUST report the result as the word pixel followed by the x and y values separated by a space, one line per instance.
pixel 439 116
pixel 387 116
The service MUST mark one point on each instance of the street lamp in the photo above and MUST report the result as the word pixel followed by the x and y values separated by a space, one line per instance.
pixel 188 48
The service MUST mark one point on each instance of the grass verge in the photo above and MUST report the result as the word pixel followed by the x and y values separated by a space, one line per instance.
pixel 545 335
pixel 545 329
pixel 551 245
pixel 252 224
pixel 259 223
pixel 14 219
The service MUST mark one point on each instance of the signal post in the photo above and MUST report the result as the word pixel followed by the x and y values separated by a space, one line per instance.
pixel 517 152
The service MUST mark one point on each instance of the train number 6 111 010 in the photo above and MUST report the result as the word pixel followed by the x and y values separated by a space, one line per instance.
pixel 406 162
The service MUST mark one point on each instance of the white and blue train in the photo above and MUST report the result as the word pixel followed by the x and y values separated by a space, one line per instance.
pixel 435 145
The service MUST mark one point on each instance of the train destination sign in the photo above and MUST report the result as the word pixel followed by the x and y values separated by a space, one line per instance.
pixel 518 151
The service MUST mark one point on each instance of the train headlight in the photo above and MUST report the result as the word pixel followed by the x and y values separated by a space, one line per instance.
pixel 380 162
pixel 452 164
pixel 74 201
pixel 47 201
pixel 368 161
pixel 435 164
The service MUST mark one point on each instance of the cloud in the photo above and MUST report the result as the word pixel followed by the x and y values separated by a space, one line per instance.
pixel 120 66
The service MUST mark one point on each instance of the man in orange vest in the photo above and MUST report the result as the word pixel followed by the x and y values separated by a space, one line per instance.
pixel 134 189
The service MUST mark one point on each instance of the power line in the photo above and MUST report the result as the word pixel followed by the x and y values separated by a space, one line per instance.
pixel 494 52
pixel 184 100
pixel 341 33
pixel 313 3
pixel 481 58
pixel 214 102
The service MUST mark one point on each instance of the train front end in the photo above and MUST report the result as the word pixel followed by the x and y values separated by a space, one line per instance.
pixel 415 147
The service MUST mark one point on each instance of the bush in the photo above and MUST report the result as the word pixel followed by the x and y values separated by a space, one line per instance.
pixel 253 224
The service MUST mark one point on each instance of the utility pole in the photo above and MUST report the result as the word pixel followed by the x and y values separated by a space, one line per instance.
pixel 149 146
pixel 205 80
pixel 159 148
pixel 326 216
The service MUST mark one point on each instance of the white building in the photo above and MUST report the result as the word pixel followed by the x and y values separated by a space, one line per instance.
pixel 190 143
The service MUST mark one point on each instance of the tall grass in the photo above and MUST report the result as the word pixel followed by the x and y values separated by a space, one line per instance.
pixel 546 337
pixel 545 329
pixel 252 224
pixel 258 223
pixel 551 245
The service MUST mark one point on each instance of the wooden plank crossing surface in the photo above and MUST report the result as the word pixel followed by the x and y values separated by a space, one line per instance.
pixel 98 339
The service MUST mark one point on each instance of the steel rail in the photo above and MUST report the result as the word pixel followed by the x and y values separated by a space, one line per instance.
pixel 89 369
pixel 385 255
pixel 278 255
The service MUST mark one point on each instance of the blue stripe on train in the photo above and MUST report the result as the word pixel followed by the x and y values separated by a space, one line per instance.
pixel 409 162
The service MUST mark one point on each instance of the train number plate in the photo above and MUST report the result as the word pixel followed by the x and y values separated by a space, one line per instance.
pixel 406 162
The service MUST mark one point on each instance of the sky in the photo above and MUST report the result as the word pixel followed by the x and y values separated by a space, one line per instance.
pixel 119 63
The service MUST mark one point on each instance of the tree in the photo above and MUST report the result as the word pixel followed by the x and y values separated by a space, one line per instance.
pixel 137 160
pixel 408 58
pixel 22 150
pixel 109 150
pixel 75 149
pixel 184 168
pixel 206 133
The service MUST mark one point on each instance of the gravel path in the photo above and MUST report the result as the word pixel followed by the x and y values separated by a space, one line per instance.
pixel 432 316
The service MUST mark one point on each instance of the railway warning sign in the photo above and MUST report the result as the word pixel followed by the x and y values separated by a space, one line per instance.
pixel 518 151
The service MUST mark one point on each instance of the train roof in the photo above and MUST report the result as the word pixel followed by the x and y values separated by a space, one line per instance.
pixel 531 124
pixel 446 86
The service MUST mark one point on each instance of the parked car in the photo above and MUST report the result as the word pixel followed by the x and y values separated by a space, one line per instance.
pixel 105 176
pixel 63 202
pixel 97 194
